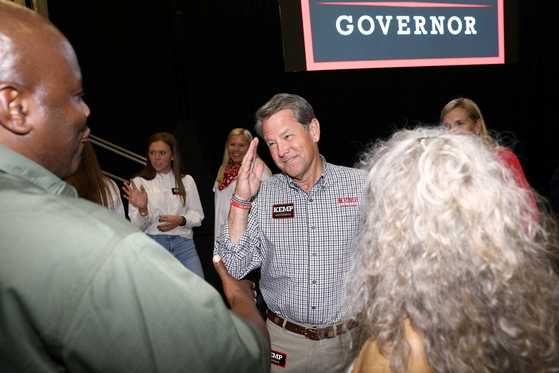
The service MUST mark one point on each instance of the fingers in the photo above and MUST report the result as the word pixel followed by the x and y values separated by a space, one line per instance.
pixel 259 170
pixel 233 288
pixel 250 156
pixel 245 188
pixel 220 267
pixel 166 228
pixel 252 150
pixel 168 223
pixel 254 293
pixel 127 189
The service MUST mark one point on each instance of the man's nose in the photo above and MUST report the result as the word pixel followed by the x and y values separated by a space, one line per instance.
pixel 86 109
pixel 282 149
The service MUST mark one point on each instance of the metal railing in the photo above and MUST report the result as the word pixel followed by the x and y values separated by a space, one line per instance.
pixel 119 151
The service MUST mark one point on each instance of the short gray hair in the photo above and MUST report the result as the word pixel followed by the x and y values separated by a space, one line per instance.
pixel 302 110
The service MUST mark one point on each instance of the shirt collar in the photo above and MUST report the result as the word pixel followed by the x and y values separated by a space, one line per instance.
pixel 168 176
pixel 18 165
pixel 322 182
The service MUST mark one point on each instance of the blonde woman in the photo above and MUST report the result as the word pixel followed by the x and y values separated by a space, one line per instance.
pixel 462 115
pixel 236 147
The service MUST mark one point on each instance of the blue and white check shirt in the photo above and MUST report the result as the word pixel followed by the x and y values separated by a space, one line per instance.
pixel 303 241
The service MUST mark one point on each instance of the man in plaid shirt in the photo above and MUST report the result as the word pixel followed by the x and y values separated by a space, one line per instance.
pixel 301 230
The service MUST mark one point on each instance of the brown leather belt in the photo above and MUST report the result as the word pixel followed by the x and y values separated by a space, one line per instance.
pixel 313 333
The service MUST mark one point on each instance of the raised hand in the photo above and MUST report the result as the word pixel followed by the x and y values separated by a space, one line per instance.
pixel 138 197
pixel 248 180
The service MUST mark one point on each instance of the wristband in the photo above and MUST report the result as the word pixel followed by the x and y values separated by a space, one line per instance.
pixel 183 222
pixel 240 204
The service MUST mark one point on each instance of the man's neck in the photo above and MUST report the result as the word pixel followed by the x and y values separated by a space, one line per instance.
pixel 313 175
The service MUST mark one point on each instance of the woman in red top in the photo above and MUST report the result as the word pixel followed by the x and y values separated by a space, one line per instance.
pixel 463 115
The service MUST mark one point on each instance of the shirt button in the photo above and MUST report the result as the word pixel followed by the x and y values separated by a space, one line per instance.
pixel 310 199
pixel 313 307
pixel 314 282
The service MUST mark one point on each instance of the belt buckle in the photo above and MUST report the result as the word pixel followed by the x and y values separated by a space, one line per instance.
pixel 311 329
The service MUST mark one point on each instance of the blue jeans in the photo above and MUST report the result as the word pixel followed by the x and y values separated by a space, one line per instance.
pixel 183 249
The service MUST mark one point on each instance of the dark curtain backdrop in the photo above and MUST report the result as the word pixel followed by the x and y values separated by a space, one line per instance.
pixel 200 68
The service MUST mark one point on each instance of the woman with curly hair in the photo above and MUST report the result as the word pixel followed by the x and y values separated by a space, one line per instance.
pixel 453 272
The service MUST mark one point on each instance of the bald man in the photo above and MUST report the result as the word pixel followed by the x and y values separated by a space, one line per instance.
pixel 82 290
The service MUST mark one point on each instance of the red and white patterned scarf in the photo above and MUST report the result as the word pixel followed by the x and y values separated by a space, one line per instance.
pixel 229 174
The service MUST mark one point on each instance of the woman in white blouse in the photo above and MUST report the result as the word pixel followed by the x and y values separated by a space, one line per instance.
pixel 236 147
pixel 164 201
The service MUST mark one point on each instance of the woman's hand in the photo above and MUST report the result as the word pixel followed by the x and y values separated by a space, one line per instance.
pixel 138 197
pixel 169 222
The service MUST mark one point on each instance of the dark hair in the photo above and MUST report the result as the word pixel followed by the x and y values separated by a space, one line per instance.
pixel 302 110
pixel 177 167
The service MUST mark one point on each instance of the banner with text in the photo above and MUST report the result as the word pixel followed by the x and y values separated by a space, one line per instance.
pixel 369 34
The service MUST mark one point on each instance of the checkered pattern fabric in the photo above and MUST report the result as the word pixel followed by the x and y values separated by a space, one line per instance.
pixel 303 242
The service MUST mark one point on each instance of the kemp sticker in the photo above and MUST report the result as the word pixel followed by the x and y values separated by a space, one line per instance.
pixel 285 211
pixel 348 201
pixel 278 358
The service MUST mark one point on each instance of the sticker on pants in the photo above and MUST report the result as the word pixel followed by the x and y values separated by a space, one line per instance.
pixel 278 358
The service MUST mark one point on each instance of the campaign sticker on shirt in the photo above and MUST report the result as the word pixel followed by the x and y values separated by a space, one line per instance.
pixel 285 211
pixel 176 191
pixel 348 201
pixel 278 358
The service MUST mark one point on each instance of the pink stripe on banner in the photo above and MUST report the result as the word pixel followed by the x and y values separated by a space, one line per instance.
pixel 408 4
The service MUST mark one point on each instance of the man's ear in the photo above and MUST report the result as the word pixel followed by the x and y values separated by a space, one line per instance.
pixel 14 109
pixel 314 129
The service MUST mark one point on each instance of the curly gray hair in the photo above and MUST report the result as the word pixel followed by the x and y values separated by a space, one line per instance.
pixel 454 244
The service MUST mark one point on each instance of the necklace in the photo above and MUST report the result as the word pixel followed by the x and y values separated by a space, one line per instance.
pixel 229 174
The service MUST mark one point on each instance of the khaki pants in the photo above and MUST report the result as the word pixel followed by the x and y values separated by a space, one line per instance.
pixel 300 354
